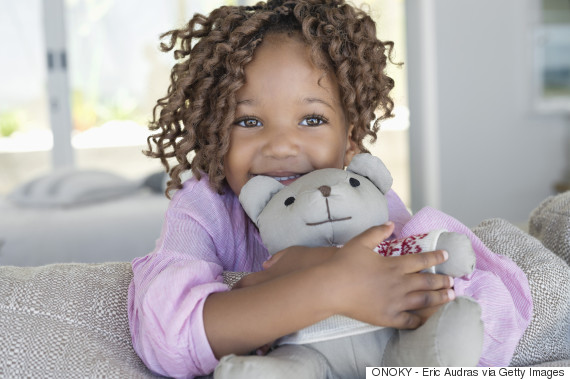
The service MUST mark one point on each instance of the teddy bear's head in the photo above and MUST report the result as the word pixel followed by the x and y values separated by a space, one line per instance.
pixel 325 207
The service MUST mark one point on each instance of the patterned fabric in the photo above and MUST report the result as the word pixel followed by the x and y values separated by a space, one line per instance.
pixel 419 243
pixel 66 320
pixel 401 246
pixel 548 336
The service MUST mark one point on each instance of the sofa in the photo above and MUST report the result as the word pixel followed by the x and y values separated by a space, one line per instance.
pixel 70 320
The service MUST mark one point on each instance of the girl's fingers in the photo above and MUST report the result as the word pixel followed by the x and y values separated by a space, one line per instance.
pixel 407 320
pixel 428 282
pixel 417 262
pixel 273 259
pixel 428 299
pixel 373 236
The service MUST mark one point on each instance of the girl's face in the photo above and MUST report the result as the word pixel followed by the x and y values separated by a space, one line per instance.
pixel 289 117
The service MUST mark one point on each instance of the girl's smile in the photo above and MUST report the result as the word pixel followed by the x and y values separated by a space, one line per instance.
pixel 289 117
pixel 285 179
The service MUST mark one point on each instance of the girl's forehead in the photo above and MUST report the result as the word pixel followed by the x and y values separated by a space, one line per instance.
pixel 279 42
pixel 284 64
pixel 286 43
pixel 281 53
pixel 283 37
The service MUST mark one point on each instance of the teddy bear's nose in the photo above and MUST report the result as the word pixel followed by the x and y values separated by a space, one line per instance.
pixel 325 190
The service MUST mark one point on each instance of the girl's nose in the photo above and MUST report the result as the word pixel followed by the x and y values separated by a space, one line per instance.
pixel 281 144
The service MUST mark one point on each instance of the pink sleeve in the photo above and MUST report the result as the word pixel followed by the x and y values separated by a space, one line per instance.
pixel 166 299
pixel 203 234
pixel 498 284
pixel 167 295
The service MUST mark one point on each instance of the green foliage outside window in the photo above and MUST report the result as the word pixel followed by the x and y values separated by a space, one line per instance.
pixel 9 123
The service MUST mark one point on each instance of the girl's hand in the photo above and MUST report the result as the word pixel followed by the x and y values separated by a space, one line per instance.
pixel 286 261
pixel 386 290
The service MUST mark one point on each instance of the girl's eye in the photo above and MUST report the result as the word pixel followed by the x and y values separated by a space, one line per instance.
pixel 313 121
pixel 248 122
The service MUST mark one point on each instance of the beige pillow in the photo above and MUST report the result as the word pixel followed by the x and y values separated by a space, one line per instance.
pixel 66 320
pixel 550 223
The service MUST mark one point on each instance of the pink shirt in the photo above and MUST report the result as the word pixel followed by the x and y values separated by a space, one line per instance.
pixel 205 233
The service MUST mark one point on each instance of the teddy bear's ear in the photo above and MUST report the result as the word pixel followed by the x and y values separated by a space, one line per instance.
pixel 256 193
pixel 373 168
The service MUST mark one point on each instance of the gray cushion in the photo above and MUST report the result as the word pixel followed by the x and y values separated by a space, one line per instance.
pixel 548 335
pixel 550 223
pixel 562 363
pixel 66 320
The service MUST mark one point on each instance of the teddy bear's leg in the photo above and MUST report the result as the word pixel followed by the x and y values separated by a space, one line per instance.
pixel 453 336
pixel 286 361
pixel 461 254
pixel 349 356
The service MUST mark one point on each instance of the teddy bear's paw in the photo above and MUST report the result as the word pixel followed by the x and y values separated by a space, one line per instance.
pixel 461 254
pixel 459 330
pixel 287 361
pixel 451 337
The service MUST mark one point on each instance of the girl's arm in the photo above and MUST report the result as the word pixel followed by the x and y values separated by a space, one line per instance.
pixel 353 281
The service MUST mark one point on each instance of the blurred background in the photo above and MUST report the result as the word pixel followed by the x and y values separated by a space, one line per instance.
pixel 482 100
pixel 115 74
pixel 489 99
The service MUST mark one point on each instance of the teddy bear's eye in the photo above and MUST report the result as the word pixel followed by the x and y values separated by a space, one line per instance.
pixel 354 182
pixel 289 201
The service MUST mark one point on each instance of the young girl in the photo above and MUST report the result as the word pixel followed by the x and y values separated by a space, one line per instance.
pixel 281 89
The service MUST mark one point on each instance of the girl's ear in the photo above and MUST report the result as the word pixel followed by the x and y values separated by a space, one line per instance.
pixel 351 147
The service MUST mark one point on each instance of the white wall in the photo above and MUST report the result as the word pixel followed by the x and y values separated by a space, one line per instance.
pixel 469 87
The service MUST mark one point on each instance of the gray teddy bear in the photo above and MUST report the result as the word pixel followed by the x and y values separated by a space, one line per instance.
pixel 328 207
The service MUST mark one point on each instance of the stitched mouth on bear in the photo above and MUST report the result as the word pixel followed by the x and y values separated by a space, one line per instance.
pixel 330 219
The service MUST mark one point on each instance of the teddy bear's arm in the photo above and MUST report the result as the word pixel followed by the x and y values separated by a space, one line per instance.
pixel 461 254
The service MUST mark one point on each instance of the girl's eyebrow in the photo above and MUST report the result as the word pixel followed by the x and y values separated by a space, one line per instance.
pixel 245 101
pixel 310 100
pixel 307 100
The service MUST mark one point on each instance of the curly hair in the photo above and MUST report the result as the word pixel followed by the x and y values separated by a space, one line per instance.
pixel 198 111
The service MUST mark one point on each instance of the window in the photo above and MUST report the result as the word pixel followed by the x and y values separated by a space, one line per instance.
pixel 552 57
pixel 25 137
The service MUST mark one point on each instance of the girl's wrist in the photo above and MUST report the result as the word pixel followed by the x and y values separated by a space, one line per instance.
pixel 331 276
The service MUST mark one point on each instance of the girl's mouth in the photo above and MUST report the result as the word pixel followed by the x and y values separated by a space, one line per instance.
pixel 285 180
